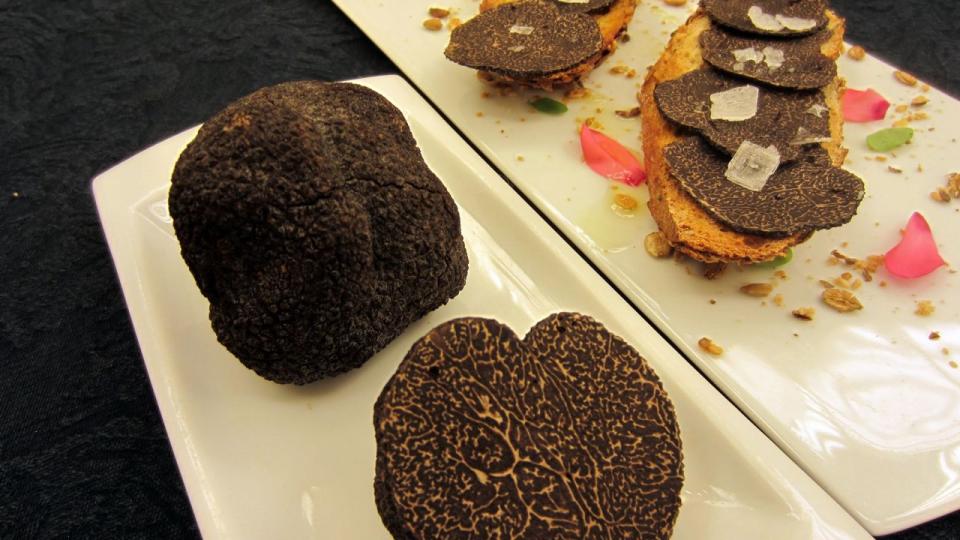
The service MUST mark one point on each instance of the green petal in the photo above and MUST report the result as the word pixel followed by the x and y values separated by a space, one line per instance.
pixel 548 106
pixel 888 139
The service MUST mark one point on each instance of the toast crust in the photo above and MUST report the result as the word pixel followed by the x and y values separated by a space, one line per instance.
pixel 682 220
pixel 612 24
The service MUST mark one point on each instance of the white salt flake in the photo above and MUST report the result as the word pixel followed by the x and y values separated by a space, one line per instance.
pixel 753 165
pixel 773 57
pixel 748 55
pixel 520 29
pixel 764 21
pixel 735 105
pixel 517 48
pixel 805 136
pixel 817 110
pixel 797 24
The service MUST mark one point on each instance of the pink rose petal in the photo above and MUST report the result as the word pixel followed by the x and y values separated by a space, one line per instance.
pixel 863 105
pixel 609 158
pixel 916 255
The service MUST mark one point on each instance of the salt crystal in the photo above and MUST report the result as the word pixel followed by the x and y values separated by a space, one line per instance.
pixel 797 24
pixel 764 21
pixel 748 55
pixel 805 136
pixel 520 29
pixel 735 105
pixel 517 48
pixel 773 57
pixel 753 165
pixel 817 110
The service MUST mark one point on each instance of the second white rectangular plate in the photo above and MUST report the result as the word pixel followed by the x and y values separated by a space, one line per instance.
pixel 261 460
pixel 866 402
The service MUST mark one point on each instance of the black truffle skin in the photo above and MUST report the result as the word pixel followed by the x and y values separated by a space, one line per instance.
pixel 315 229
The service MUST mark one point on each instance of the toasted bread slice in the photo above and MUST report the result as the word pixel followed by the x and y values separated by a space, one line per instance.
pixel 682 220
pixel 612 23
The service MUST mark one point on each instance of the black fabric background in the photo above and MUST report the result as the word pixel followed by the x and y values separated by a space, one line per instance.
pixel 84 84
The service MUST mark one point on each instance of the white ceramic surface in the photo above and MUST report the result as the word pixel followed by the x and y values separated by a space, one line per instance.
pixel 261 460
pixel 865 402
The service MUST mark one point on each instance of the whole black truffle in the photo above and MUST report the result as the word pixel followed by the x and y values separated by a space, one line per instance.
pixel 312 225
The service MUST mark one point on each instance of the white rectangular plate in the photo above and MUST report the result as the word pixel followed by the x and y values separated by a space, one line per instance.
pixel 865 402
pixel 261 460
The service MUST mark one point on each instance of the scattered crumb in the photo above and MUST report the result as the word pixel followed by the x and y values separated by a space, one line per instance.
pixel 940 195
pixel 714 270
pixel 758 290
pixel 856 52
pixel 804 313
pixel 953 364
pixel 485 94
pixel 657 245
pixel 945 351
pixel 778 300
pixel 934 335
pixel 479 114
pixel 520 157
pixel 920 101
pixel 925 308
pixel 619 69
pixel 625 202
pixel 712 301
pixel 896 170
pixel 880 158
pixel 841 300
pixel 953 185
pixel 433 24
pixel 826 284
pixel 780 274
pixel 624 37
pixel 576 92
pixel 905 78
pixel 710 347
pixel 632 73
pixel 883 283
pixel 900 108
pixel 439 12
pixel 629 113
pixel 453 23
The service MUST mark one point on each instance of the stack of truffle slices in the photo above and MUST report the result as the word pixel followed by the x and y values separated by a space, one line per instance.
pixel 742 130
pixel 539 43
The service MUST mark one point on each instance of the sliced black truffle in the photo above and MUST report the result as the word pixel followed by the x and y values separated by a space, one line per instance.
pixel 312 225
pixel 787 63
pixel 525 40
pixel 786 119
pixel 588 6
pixel 566 434
pixel 800 197
pixel 769 17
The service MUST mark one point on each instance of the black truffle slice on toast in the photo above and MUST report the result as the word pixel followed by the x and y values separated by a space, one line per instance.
pixel 769 17
pixel 789 120
pixel 310 222
pixel 785 63
pixel 527 39
pixel 565 434
pixel 584 6
pixel 800 197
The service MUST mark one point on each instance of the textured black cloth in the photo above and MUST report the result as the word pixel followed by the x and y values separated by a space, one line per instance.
pixel 84 84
